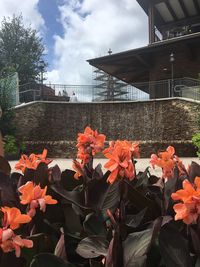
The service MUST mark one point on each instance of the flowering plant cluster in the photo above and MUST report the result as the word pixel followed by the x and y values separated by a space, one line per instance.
pixel 89 218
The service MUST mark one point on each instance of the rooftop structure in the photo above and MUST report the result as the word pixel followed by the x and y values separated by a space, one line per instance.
pixel 171 18
pixel 172 52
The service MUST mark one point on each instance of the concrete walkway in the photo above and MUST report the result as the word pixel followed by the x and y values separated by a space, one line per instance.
pixel 141 164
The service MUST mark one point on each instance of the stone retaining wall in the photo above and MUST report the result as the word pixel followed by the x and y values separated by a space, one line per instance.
pixel 156 123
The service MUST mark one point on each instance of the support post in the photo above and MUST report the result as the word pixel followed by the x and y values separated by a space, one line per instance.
pixel 151 23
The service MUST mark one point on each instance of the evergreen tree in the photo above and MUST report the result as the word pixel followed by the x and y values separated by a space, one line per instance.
pixel 21 48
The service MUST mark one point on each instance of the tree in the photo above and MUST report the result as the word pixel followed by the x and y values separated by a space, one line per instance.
pixel 6 102
pixel 21 48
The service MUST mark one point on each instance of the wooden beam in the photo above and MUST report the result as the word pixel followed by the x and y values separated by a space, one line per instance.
pixel 196 4
pixel 182 22
pixel 158 1
pixel 126 70
pixel 171 11
pixel 142 60
pixel 151 23
pixel 182 4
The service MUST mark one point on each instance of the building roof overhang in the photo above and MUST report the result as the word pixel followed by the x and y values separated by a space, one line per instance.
pixel 168 13
pixel 134 66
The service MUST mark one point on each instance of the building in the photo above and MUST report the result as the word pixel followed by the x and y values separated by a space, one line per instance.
pixel 170 64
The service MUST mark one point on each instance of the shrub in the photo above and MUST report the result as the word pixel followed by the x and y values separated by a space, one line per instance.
pixel 10 145
pixel 196 142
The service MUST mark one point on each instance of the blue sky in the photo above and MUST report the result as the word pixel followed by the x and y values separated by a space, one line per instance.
pixel 76 30
pixel 50 13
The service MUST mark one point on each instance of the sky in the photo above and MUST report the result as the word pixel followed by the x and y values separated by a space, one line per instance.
pixel 74 31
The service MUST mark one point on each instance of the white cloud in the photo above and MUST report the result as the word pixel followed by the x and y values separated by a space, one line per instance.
pixel 28 8
pixel 91 27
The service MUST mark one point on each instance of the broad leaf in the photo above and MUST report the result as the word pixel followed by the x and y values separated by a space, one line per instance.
pixel 170 187
pixel 197 263
pixel 60 247
pixel 55 174
pixel 74 197
pixel 195 240
pixel 194 171
pixel 97 173
pixel 109 257
pixel 49 260
pixel 28 176
pixel 173 247
pixel 41 175
pixel 136 219
pixel 41 244
pixel 94 263
pixel 10 260
pixel 4 166
pixel 141 201
pixel 142 178
pixel 68 181
pixel 136 247
pixel 103 196
pixel 94 224
pixel 92 247
pixel 15 176
pixel 72 220
pixel 8 196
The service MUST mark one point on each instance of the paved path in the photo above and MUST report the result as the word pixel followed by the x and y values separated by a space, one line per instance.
pixel 141 165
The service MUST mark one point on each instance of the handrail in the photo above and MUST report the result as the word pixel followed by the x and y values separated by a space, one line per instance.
pixel 134 92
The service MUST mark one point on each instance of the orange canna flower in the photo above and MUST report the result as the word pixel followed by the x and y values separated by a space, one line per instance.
pixel 36 197
pixel 13 218
pixel 133 147
pixel 167 161
pixel 189 209
pixel 32 161
pixel 78 167
pixel 187 212
pixel 89 144
pixel 120 164
pixel 10 242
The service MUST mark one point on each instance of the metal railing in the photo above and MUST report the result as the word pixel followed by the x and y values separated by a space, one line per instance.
pixel 84 93
pixel 183 87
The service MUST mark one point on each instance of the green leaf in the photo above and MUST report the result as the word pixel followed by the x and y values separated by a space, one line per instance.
pixel 103 196
pixel 136 219
pixel 194 171
pixel 41 175
pixel 4 166
pixel 49 260
pixel 8 195
pixel 138 262
pixel 97 173
pixel 195 239
pixel 92 247
pixel 141 201
pixel 72 220
pixel 142 178
pixel 68 181
pixel 94 225
pixel 94 263
pixel 136 247
pixel 197 263
pixel 55 174
pixel 109 198
pixel 74 197
pixel 173 247
pixel 41 243
pixel 171 186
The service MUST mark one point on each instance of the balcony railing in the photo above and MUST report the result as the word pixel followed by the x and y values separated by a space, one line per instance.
pixel 183 87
